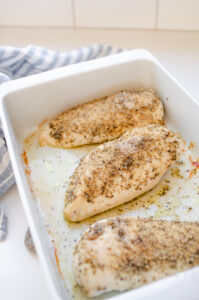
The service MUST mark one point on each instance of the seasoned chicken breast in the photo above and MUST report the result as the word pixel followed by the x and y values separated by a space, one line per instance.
pixel 125 253
pixel 103 119
pixel 121 170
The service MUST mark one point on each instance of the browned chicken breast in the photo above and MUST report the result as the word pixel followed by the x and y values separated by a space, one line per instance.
pixel 118 171
pixel 125 253
pixel 103 119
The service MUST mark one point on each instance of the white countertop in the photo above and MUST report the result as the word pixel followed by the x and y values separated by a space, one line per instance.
pixel 21 276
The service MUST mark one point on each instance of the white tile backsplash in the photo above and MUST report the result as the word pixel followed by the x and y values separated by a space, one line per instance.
pixel 115 13
pixel 178 14
pixel 138 14
pixel 36 13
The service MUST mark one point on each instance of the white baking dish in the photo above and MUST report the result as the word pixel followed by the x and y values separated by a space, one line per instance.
pixel 27 102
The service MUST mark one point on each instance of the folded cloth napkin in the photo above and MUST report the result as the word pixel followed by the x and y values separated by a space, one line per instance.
pixel 20 62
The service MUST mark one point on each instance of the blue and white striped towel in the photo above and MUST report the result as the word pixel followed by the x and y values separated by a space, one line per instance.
pixel 20 62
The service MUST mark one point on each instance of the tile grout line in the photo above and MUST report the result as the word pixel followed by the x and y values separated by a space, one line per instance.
pixel 53 27
pixel 156 14
pixel 73 13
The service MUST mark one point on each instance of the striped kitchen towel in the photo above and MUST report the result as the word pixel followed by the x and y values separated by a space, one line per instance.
pixel 20 62
pixel 3 224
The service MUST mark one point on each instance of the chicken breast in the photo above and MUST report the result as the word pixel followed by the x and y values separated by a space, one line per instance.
pixel 126 253
pixel 103 119
pixel 118 171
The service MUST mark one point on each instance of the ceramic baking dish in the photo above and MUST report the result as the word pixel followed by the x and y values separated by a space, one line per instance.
pixel 25 103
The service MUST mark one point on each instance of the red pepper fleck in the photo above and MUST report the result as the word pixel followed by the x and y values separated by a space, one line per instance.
pixel 57 261
pixel 194 163
pixel 196 166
